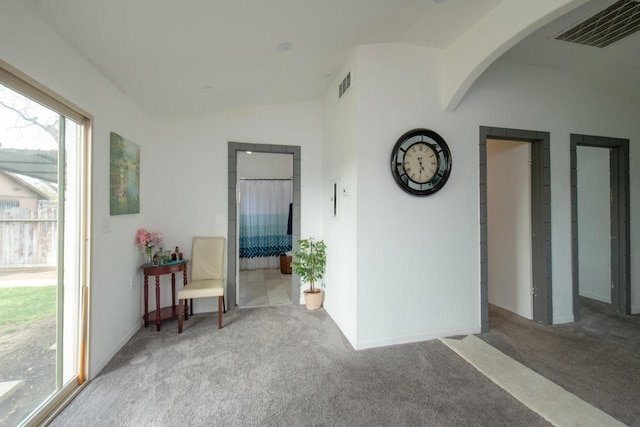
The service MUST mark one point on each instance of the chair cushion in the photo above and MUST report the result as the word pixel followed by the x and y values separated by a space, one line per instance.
pixel 201 289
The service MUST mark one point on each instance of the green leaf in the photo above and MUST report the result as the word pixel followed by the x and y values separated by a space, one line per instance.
pixel 309 261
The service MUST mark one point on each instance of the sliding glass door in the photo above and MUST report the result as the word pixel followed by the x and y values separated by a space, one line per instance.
pixel 42 251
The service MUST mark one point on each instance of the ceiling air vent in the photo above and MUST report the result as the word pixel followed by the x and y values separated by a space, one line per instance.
pixel 610 25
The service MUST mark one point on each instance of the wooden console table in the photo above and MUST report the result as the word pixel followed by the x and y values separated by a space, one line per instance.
pixel 166 312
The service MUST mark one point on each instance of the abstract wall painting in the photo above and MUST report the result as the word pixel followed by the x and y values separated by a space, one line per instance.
pixel 124 182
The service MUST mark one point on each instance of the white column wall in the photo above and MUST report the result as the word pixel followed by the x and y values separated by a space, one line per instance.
pixel 340 138
pixel 418 257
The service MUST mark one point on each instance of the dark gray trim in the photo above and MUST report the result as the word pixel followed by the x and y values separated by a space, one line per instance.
pixel 232 253
pixel 540 220
pixel 620 220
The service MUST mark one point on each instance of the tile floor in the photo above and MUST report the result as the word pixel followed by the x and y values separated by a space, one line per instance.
pixel 259 288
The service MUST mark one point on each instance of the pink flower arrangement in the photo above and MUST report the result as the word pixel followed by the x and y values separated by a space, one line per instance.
pixel 146 239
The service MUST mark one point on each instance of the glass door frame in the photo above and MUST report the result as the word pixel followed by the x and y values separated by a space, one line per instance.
pixel 19 82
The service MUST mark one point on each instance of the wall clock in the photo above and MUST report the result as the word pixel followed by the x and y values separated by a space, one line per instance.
pixel 421 162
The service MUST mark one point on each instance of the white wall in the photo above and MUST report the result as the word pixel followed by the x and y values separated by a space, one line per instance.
pixel 418 258
pixel 340 137
pixel 191 166
pixel 561 105
pixel 594 223
pixel 30 46
pixel 509 226
pixel 265 166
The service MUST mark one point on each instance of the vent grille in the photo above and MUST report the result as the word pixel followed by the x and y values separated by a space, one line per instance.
pixel 344 86
pixel 616 22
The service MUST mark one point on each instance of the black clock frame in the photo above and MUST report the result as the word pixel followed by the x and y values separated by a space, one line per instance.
pixel 438 144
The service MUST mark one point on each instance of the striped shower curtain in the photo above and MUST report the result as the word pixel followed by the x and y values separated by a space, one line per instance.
pixel 264 215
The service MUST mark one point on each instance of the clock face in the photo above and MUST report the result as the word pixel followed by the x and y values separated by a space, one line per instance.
pixel 421 162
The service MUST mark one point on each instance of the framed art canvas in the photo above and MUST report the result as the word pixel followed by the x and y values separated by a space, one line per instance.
pixel 124 182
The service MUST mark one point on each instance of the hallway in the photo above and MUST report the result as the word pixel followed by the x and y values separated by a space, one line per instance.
pixel 595 358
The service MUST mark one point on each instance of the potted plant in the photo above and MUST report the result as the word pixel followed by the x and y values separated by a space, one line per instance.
pixel 309 263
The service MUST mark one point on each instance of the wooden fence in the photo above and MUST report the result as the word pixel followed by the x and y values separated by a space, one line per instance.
pixel 28 237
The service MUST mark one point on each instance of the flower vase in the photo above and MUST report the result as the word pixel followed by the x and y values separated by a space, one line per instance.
pixel 148 257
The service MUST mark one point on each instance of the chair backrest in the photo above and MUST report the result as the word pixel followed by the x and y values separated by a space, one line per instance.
pixel 207 258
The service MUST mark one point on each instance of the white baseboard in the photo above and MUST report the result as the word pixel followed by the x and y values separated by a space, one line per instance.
pixel 383 342
pixel 95 369
pixel 596 297
pixel 565 318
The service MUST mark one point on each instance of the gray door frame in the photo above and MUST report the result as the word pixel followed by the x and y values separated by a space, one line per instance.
pixel 540 220
pixel 232 253
pixel 620 220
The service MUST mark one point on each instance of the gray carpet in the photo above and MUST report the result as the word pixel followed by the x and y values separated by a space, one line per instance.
pixel 286 366
pixel 597 358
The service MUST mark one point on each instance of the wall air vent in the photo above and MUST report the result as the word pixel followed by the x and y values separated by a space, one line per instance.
pixel 344 85
pixel 616 22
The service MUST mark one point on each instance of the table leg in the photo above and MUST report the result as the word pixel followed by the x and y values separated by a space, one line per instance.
pixel 146 301
pixel 157 303
pixel 173 291
pixel 184 283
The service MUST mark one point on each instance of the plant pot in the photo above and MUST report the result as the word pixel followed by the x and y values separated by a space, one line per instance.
pixel 313 301
pixel 285 264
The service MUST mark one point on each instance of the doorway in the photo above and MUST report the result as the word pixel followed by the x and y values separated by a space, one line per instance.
pixel 44 202
pixel 509 225
pixel 540 190
pixel 594 223
pixel 233 271
pixel 265 200
pixel 600 173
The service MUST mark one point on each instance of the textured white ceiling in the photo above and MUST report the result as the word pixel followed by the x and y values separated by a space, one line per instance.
pixel 190 56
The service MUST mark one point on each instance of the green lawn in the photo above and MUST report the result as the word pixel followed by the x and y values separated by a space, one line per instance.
pixel 26 304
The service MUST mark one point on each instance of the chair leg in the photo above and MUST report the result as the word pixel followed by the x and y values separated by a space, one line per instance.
pixel 224 303
pixel 220 304
pixel 180 313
